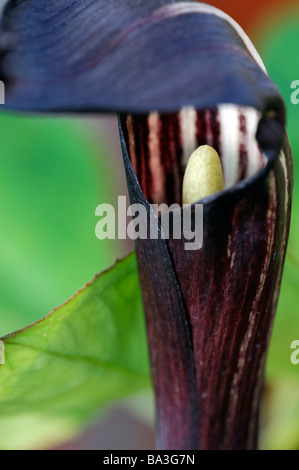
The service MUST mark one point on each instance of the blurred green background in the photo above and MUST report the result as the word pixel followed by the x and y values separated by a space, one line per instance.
pixel 53 174
pixel 279 47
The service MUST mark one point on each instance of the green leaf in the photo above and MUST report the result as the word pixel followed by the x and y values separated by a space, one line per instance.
pixel 59 371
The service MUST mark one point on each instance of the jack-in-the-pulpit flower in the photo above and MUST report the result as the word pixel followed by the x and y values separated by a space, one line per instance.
pixel 181 75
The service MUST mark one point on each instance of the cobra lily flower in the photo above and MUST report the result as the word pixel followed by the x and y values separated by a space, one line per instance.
pixel 180 75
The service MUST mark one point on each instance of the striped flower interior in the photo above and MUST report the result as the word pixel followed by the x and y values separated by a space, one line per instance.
pixel 159 146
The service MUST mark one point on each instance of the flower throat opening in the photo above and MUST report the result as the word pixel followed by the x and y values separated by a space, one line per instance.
pixel 160 145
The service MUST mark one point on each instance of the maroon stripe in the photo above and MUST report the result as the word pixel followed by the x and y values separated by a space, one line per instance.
pixel 201 128
pixel 177 155
pixel 152 182
pixel 243 155
pixel 140 130
pixel 170 156
pixel 145 155
pixel 215 128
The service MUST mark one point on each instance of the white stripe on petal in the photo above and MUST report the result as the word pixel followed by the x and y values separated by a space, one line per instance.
pixel 255 159
pixel 230 143
pixel 188 118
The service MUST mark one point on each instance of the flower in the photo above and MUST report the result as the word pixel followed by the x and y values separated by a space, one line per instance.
pixel 180 75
